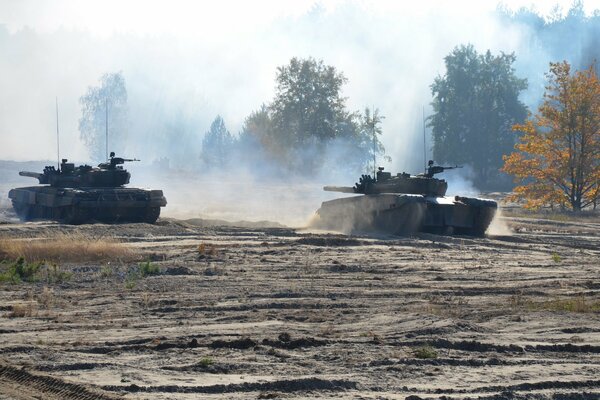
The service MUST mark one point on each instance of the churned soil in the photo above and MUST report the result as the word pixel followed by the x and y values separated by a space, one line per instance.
pixel 271 312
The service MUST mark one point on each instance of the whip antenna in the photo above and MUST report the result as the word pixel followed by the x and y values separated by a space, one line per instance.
pixel 57 137
pixel 374 145
pixel 106 105
pixel 424 144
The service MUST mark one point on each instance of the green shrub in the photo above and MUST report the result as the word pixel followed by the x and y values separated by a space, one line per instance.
pixel 206 361
pixel 106 271
pixel 54 274
pixel 147 269
pixel 20 270
pixel 425 352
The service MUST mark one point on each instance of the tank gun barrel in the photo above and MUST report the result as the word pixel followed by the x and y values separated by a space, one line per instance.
pixel 36 175
pixel 341 189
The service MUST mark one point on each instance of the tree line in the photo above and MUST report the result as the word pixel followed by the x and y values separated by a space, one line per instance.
pixel 478 120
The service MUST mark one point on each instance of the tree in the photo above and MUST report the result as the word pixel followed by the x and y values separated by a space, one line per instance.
pixel 307 127
pixel 99 106
pixel 253 140
pixel 475 105
pixel 308 110
pixel 217 144
pixel 371 128
pixel 557 160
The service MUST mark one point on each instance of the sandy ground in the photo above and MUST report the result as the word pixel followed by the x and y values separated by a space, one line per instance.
pixel 283 313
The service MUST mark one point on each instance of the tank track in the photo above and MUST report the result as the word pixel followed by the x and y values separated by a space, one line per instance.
pixel 76 215
pixel 23 384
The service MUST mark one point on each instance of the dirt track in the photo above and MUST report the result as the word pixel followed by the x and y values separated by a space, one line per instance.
pixel 279 313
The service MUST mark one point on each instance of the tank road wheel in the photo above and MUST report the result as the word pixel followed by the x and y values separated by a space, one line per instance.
pixel 151 215
pixel 72 215
pixel 402 221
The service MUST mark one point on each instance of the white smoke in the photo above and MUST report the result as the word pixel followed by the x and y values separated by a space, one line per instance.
pixel 186 62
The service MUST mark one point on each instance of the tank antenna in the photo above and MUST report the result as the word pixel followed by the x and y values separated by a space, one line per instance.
pixel 57 137
pixel 424 144
pixel 374 145
pixel 106 106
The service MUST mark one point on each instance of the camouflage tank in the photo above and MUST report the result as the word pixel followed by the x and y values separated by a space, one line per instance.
pixel 405 204
pixel 77 195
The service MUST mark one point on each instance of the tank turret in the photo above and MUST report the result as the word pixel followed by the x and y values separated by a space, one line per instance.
pixel 80 194
pixel 109 174
pixel 404 204
pixel 384 182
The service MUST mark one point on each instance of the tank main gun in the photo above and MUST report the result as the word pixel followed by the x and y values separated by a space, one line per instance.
pixel 36 175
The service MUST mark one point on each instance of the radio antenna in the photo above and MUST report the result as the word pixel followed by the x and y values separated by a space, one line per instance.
pixel 374 145
pixel 424 143
pixel 106 105
pixel 57 137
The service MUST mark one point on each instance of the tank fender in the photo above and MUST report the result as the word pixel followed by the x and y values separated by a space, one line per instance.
pixel 476 202
pixel 409 198
pixel 22 196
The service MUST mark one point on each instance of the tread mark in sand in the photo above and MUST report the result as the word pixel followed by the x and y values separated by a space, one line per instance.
pixel 48 386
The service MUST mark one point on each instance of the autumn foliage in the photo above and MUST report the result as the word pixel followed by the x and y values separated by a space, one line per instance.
pixel 557 161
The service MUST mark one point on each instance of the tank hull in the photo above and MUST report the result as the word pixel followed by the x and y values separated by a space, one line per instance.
pixel 85 205
pixel 403 214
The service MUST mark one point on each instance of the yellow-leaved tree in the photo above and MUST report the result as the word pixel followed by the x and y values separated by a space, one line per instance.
pixel 557 161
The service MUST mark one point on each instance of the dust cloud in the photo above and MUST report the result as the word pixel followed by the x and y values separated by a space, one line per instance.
pixel 233 197
pixel 499 227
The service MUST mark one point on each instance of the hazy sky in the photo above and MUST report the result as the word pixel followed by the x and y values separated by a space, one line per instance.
pixel 187 61
pixel 227 17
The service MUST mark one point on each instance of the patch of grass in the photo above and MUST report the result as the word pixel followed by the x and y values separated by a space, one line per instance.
pixel 23 271
pixel 425 352
pixel 107 271
pixel 207 250
pixel 147 269
pixel 22 310
pixel 131 280
pixel 553 215
pixel 143 270
pixel 72 247
pixel 46 298
pixel 54 274
pixel 206 361
pixel 447 306
pixel 577 304
pixel 518 301
pixel 19 271
pixel 556 257
pixel 147 299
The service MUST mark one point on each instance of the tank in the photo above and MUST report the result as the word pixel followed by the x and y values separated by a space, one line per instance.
pixel 405 204
pixel 83 194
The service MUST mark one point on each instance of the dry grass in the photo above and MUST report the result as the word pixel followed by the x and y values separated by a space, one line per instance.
pixel 22 310
pixel 73 247
pixel 576 304
pixel 579 304
pixel 553 215
pixel 209 250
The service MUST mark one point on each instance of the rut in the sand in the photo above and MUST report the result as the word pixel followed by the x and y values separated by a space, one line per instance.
pixel 24 385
